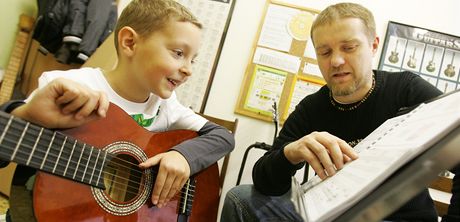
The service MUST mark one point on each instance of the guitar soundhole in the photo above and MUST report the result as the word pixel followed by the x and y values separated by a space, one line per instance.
pixel 122 178
pixel 127 187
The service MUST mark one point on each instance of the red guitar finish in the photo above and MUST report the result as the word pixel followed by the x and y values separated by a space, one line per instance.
pixel 59 199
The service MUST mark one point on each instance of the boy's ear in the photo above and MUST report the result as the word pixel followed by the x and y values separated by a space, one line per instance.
pixel 127 38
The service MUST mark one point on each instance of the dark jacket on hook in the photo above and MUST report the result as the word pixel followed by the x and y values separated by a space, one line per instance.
pixel 73 29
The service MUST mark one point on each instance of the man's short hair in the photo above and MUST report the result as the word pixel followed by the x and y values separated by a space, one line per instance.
pixel 346 10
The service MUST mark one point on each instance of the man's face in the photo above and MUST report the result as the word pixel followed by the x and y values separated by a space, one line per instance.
pixel 344 53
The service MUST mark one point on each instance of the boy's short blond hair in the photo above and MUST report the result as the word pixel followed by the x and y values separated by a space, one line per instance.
pixel 346 10
pixel 148 16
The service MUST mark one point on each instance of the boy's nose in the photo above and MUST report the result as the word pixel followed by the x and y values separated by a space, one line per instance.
pixel 186 71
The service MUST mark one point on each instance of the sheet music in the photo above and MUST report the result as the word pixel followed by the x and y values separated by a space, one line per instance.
pixel 390 146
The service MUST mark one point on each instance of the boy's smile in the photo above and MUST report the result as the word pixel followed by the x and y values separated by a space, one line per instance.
pixel 159 62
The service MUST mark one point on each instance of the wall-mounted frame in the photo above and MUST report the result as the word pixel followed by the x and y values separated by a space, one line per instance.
pixel 301 86
pixel 435 56
pixel 282 54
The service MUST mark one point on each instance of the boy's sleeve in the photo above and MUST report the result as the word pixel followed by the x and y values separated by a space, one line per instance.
pixel 213 143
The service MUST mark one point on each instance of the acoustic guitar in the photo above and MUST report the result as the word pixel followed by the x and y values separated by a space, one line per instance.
pixel 78 182
pixel 450 70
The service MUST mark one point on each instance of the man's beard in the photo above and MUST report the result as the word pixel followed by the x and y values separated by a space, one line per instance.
pixel 344 91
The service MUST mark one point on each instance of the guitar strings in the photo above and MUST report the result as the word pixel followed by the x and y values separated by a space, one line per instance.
pixel 117 183
pixel 65 149
pixel 87 160
pixel 72 140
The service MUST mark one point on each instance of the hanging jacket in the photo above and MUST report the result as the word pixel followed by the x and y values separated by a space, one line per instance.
pixel 51 18
pixel 101 17
pixel 73 29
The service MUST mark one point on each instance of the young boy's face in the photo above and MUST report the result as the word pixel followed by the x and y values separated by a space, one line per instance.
pixel 163 60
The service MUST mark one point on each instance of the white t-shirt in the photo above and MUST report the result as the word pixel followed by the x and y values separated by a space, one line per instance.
pixel 156 114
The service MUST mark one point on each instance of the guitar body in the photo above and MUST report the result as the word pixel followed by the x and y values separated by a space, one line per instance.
pixel 393 58
pixel 59 199
pixel 412 62
pixel 431 66
pixel 450 70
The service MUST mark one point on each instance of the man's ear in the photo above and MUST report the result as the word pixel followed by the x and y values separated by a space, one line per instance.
pixel 375 44
pixel 127 39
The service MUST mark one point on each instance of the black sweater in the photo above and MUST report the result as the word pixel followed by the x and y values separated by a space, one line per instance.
pixel 272 173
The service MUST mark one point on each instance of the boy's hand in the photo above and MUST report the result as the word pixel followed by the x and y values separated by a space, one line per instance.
pixel 173 172
pixel 63 104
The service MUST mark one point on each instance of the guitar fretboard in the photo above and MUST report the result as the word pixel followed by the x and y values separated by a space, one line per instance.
pixel 15 61
pixel 50 151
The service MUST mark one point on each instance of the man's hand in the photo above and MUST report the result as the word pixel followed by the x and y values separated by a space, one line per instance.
pixel 172 174
pixel 63 104
pixel 324 152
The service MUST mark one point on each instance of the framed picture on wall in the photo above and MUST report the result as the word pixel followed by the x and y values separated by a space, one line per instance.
pixel 433 55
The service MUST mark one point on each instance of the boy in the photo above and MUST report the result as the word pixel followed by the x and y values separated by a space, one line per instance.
pixel 157 42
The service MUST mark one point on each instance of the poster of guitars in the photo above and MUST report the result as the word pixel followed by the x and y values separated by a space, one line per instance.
pixel 433 55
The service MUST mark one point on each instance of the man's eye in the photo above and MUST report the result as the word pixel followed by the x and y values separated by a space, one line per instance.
pixel 349 48
pixel 324 53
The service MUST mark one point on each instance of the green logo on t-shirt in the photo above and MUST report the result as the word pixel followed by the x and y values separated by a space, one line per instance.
pixel 139 118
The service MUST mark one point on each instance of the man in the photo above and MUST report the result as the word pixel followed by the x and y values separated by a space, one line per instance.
pixel 327 124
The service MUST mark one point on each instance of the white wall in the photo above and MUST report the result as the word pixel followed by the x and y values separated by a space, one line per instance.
pixel 436 15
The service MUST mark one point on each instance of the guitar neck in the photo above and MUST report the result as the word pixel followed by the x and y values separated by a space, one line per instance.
pixel 50 151
pixel 14 64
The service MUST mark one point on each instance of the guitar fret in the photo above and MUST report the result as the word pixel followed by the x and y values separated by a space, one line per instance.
pixel 6 129
pixel 59 155
pixel 34 147
pixel 19 141
pixel 102 167
pixel 78 163
pixel 87 162
pixel 95 165
pixel 48 150
pixel 70 158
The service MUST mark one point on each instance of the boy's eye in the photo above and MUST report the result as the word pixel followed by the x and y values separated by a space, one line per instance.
pixel 178 52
